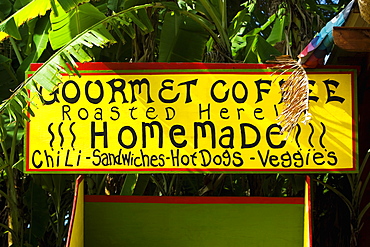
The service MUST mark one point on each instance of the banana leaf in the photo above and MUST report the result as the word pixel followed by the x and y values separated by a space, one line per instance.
pixel 66 26
pixel 182 39
pixel 9 27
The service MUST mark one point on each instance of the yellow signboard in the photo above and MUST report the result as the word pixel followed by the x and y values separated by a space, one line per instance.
pixel 189 117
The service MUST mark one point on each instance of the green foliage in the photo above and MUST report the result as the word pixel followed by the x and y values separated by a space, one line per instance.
pixel 35 8
pixel 5 9
pixel 129 185
pixel 65 26
pixel 35 201
pixel 182 39
pixel 37 45
pixel 68 5
pixel 9 80
pixel 61 33
pixel 353 197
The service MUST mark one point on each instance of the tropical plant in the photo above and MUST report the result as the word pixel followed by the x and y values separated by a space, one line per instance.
pixel 61 33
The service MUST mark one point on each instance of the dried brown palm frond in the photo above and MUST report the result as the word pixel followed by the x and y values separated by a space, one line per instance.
pixel 295 93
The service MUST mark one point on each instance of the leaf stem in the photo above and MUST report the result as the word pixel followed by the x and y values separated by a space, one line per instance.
pixel 16 50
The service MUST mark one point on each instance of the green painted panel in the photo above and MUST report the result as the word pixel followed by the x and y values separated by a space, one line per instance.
pixel 193 225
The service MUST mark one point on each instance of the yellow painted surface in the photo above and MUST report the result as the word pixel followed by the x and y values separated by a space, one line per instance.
pixel 116 136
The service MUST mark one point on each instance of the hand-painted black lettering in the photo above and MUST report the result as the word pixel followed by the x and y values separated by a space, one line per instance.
pixel 188 91
pixel 145 159
pixel 239 110
pixel 103 133
pixel 133 137
pixel 162 161
pixel 49 160
pixel 316 156
pixel 177 130
pixel 222 111
pixel 83 114
pixel 260 91
pixel 77 95
pixel 206 157
pixel 150 110
pixel 244 91
pixel 112 84
pixel 139 83
pixel 237 156
pixel 287 159
pixel 269 133
pixel 311 97
pixel 228 137
pixel 54 94
pixel 170 113
pixel 164 88
pixel 96 154
pixel 193 158
pixel 330 92
pixel 175 157
pixel 132 113
pixel 332 155
pixel 208 110
pixel 213 95
pixel 272 160
pixel 256 111
pixel 65 110
pixel 66 160
pixel 34 163
pixel 98 99
pixel 217 160
pixel 226 158
pixel 160 132
pixel 115 110
pixel 297 156
pixel 185 160
pixel 98 114
pixel 263 160
pixel 244 135
pixel 204 133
